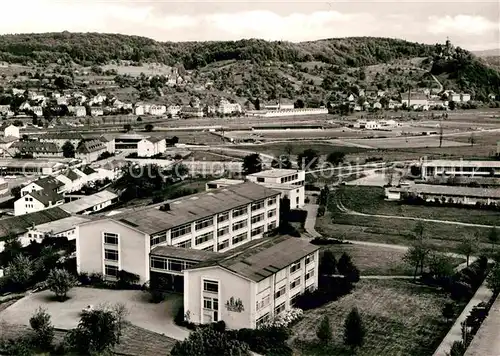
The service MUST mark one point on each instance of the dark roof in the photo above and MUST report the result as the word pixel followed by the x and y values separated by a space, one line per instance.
pixel 193 207
pixel 71 175
pixel 49 183
pixel 46 196
pixel 262 258
pixel 36 146
pixel 86 170
pixel 91 146
pixel 7 139
pixel 20 224
pixel 154 139
pixel 62 136
pixel 106 138
pixel 184 253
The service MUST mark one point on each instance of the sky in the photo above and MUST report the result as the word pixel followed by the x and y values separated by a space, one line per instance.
pixel 471 25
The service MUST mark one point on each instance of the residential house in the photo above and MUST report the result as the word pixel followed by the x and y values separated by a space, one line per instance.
pixel 36 149
pixel 249 286
pixel 173 110
pixel 72 180
pixel 89 151
pixel 464 97
pixel 217 221
pixel 95 111
pixel 139 110
pixel 37 110
pixel 150 146
pixel 454 97
pixel 157 110
pixel 47 183
pixel 224 107
pixel 12 131
pixel 189 111
pixel 36 201
pixel 78 111
pixel 25 106
pixel 377 106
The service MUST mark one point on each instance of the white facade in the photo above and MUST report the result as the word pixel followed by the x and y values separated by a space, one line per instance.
pixel 12 130
pixel 470 169
pixel 212 293
pixel 465 98
pixel 78 111
pixel 291 112
pixel 139 110
pixel 29 203
pixel 148 147
pixel 96 112
pixel 221 231
pixel 291 183
pixel 225 107
pixel 173 110
pixel 157 110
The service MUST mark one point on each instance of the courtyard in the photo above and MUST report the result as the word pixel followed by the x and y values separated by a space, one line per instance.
pixel 158 317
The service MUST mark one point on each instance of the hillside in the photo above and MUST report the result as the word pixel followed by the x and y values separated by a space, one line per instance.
pixel 316 71
pixel 90 48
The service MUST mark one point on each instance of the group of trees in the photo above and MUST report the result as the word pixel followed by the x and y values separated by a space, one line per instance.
pixel 97 333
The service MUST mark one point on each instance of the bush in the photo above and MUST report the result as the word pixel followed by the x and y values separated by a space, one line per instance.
pixel 210 341
pixel 321 211
pixel 127 280
pixel 44 331
pixel 324 330
pixel 457 349
pixel 265 341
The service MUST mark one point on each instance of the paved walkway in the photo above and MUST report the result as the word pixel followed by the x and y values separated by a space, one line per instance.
pixel 309 226
pixel 487 340
pixel 483 294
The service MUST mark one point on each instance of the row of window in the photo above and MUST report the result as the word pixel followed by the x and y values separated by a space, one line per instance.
pixel 210 303
pixel 255 219
pixel 239 238
pixel 257 206
pixel 168 264
pixel 257 231
pixel 289 178
pixel 240 225
pixel 203 223
pixel 204 238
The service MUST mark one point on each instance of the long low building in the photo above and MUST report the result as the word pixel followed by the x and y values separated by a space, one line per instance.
pixel 91 203
pixel 216 221
pixel 460 168
pixel 446 194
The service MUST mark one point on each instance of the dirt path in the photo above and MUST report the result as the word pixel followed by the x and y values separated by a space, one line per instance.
pixel 345 210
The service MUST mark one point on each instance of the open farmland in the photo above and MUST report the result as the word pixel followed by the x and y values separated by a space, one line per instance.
pixel 406 142
pixel 400 318
pixel 370 200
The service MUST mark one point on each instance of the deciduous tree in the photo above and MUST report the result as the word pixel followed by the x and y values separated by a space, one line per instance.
pixel 60 282
pixel 252 163
pixel 68 150
pixel 468 246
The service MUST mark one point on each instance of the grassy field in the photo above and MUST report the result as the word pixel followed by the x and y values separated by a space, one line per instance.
pixel 378 261
pixel 401 319
pixel 444 237
pixel 211 156
pixel 279 148
pixel 370 200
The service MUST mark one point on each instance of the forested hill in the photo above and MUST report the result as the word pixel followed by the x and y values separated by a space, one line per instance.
pixel 97 48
